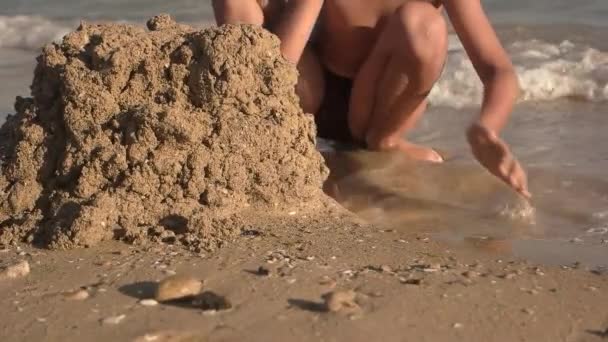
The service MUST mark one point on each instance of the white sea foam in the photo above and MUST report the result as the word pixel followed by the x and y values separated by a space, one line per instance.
pixel 29 32
pixel 546 72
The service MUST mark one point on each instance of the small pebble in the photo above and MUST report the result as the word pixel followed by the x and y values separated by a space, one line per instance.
pixel 470 274
pixel 528 311
pixel 375 294
pixel 457 326
pixel 18 270
pixel 103 263
pixel 386 269
pixel 168 336
pixel 435 266
pixel 410 281
pixel 348 273
pixel 113 320
pixel 148 302
pixel 81 294
pixel 340 300
pixel 178 287
pixel 327 281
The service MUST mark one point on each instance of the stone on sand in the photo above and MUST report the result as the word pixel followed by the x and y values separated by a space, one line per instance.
pixel 337 301
pixel 178 287
pixel 148 302
pixel 81 294
pixel 170 336
pixel 17 270
pixel 113 320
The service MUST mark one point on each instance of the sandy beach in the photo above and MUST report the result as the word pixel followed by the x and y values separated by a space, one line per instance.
pixel 409 288
pixel 193 163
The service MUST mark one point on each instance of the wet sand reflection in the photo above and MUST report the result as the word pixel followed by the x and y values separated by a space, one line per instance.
pixel 460 202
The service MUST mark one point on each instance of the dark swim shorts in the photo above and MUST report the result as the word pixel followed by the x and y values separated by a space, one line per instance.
pixel 332 117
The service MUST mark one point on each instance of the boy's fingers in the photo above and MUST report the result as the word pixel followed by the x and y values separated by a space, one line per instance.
pixel 522 187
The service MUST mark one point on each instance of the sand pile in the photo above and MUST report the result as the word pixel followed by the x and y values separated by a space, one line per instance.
pixel 167 134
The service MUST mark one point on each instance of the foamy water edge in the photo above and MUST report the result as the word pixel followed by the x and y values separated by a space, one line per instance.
pixel 546 71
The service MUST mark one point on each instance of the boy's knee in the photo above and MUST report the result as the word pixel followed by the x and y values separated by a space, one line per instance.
pixel 421 34
pixel 425 31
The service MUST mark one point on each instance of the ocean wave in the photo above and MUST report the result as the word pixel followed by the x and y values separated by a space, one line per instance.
pixel 546 72
pixel 30 32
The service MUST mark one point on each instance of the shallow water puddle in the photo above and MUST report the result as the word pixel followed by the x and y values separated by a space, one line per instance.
pixel 458 202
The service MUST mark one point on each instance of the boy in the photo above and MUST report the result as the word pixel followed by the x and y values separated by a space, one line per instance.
pixel 367 70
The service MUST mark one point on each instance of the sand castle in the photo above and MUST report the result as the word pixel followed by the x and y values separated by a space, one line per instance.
pixel 165 134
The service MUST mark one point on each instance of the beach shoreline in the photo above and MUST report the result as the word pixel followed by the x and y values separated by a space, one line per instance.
pixel 409 286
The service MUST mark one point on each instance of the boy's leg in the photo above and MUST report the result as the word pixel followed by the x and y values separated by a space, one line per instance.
pixel 389 93
pixel 311 83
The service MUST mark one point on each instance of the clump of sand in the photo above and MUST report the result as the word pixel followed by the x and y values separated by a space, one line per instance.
pixel 161 134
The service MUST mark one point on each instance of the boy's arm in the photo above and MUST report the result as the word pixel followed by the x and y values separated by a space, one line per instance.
pixel 501 89
pixel 489 59
pixel 293 28
pixel 296 25
pixel 237 12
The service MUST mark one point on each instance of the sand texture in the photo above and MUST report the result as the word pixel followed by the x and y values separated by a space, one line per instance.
pixel 165 134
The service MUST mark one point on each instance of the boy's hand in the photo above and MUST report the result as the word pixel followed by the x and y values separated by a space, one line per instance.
pixel 495 156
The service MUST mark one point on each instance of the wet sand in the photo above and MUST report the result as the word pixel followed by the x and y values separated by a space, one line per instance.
pixel 409 287
pixel 438 260
pixel 460 203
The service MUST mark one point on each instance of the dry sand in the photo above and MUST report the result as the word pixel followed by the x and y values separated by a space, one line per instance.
pixel 409 288
pixel 193 142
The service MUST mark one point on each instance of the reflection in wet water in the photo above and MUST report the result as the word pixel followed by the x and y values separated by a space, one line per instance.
pixel 458 201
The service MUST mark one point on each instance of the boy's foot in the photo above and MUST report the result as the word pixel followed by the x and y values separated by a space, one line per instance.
pixel 419 152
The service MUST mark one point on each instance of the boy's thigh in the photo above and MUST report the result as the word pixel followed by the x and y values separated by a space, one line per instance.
pixel 311 81
pixel 272 10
